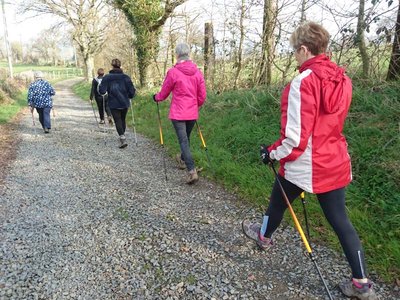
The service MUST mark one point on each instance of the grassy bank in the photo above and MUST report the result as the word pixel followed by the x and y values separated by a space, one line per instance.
pixel 8 111
pixel 235 123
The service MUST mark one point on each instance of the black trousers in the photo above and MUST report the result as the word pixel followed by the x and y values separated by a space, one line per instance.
pixel 101 109
pixel 334 208
pixel 119 116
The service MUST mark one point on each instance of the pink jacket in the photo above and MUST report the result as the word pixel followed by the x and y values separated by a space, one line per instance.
pixel 312 150
pixel 186 82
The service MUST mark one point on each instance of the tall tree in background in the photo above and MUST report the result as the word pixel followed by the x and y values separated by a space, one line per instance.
pixel 360 39
pixel 147 18
pixel 238 62
pixel 8 48
pixel 209 54
pixel 394 65
pixel 85 17
pixel 267 46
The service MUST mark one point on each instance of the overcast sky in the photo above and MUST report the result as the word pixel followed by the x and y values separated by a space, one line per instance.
pixel 23 28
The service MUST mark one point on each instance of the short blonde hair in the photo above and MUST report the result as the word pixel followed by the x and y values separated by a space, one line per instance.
pixel 312 35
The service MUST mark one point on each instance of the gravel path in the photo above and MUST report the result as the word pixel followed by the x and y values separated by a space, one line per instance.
pixel 84 220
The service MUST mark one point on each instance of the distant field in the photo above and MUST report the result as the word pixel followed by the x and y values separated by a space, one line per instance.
pixel 18 68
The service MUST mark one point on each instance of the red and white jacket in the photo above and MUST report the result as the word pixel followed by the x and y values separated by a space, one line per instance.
pixel 312 150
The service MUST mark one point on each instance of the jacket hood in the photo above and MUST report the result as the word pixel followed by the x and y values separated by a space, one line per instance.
pixel 187 67
pixel 333 80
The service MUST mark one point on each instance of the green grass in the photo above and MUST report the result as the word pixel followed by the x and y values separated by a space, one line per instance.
pixel 82 89
pixel 234 124
pixel 8 111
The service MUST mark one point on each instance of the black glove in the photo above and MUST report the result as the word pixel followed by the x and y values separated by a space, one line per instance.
pixel 264 155
pixel 154 98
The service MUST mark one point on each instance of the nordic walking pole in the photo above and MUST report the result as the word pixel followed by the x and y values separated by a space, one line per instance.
pixel 301 232
pixel 161 140
pixel 133 123
pixel 104 122
pixel 33 122
pixel 94 113
pixel 303 201
pixel 205 147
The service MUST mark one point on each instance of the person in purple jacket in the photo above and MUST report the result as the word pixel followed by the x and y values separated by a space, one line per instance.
pixel 186 82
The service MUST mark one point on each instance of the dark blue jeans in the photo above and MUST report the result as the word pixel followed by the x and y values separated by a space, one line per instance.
pixel 44 116
pixel 183 130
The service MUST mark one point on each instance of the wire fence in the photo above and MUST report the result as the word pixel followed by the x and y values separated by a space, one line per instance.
pixel 65 73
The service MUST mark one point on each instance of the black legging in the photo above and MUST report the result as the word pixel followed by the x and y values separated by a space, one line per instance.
pixel 119 116
pixel 333 206
pixel 100 106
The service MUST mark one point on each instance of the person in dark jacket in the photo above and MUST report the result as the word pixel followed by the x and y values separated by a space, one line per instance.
pixel 102 102
pixel 120 90
pixel 39 97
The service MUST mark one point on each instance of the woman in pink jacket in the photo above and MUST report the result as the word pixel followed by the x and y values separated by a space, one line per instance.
pixel 186 82
pixel 312 151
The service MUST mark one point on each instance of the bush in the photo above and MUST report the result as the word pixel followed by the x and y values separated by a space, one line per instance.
pixel 4 98
pixel 13 87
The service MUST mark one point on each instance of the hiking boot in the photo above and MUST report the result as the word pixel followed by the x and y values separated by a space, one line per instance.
pixel 193 177
pixel 101 122
pixel 252 231
pixel 181 163
pixel 361 291
pixel 46 130
pixel 122 141
pixel 110 121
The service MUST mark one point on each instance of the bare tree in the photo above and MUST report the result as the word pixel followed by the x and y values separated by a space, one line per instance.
pixel 394 65
pixel 209 53
pixel 267 44
pixel 360 39
pixel 8 48
pixel 238 63
pixel 85 18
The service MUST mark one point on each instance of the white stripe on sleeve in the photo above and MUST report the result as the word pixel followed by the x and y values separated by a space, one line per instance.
pixel 293 125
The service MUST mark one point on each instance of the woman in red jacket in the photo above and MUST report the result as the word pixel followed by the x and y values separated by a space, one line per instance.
pixel 312 151
pixel 188 88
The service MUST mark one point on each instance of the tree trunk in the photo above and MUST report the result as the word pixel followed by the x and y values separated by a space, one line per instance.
pixel 240 50
pixel 269 19
pixel 88 61
pixel 144 64
pixel 394 65
pixel 360 40
pixel 7 42
pixel 208 54
pixel 303 11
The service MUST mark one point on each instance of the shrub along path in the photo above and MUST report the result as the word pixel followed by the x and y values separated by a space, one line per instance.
pixel 82 219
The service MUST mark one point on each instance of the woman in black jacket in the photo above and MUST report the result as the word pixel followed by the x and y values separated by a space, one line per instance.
pixel 120 90
pixel 102 102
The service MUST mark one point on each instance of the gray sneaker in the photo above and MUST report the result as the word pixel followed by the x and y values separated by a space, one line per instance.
pixel 122 141
pixel 364 291
pixel 252 231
